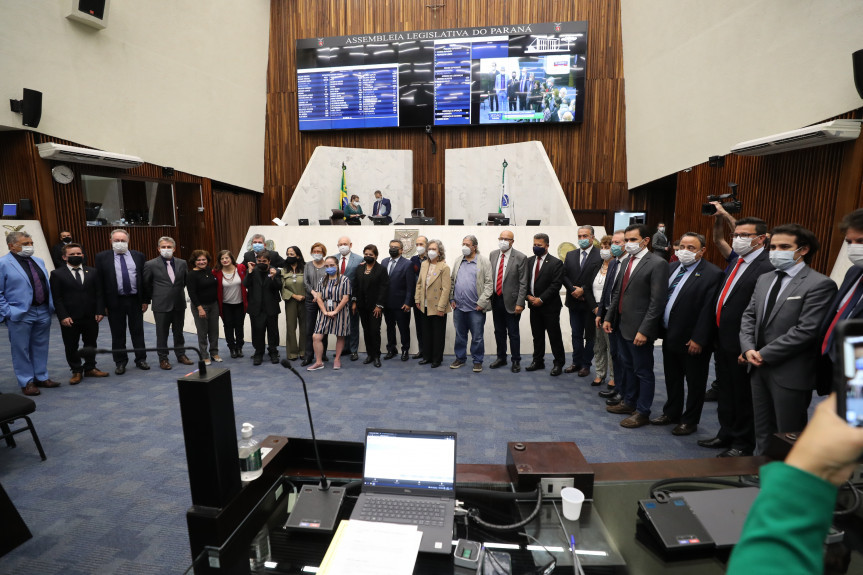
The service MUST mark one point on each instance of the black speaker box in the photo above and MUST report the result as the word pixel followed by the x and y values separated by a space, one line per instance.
pixel 25 206
pixel 857 60
pixel 30 107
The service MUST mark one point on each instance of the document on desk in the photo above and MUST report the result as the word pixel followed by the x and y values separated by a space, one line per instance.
pixel 366 548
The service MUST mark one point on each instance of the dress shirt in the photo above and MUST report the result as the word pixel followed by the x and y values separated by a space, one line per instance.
pixel 80 271
pixel 130 266
pixel 637 257
pixel 677 289
pixel 539 261
pixel 789 274
pixel 392 265
pixel 747 259
pixel 25 265
pixel 464 291
pixel 495 271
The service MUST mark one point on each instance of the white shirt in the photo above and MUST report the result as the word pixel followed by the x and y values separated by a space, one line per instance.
pixel 747 259
pixel 637 257
pixel 80 271
pixel 506 258
pixel 677 288
pixel 533 274
pixel 790 273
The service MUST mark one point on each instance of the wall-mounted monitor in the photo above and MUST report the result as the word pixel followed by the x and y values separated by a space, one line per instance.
pixel 518 74
pixel 10 210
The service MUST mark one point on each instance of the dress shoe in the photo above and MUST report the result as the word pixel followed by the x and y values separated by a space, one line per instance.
pixel 661 420
pixel 608 393
pixel 355 356
pixel 30 389
pixel 497 363
pixel 714 443
pixel 684 429
pixel 121 369
pixel 257 359
pixel 185 360
pixel 584 372
pixel 164 364
pixel 405 356
pixel 368 360
pixel 239 352
pixel 614 399
pixel 621 408
pixel 307 361
pixel 424 362
pixel 95 373
pixel 390 355
pixel 377 361
pixel 233 354
pixel 477 367
pixel 635 420
pixel 418 355
pixel 734 453
pixel 47 383
pixel 142 365
pixel 516 367
pixel 556 370
pixel 274 359
pixel 76 378
pixel 571 369
pixel 597 383
pixel 435 364
pixel 535 366
pixel 457 363
pixel 712 394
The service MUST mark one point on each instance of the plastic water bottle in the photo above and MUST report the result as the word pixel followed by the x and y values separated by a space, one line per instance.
pixel 250 455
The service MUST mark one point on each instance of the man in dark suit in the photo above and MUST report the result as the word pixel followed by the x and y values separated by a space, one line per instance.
pixel 264 288
pixel 736 432
pixel 80 306
pixel 524 87
pixel 846 303
pixel 545 276
pixel 165 286
pixel 636 307
pixel 259 244
pixel 687 334
pixel 618 252
pixel 509 290
pixel 419 316
pixel 579 267
pixel 57 250
pixel 382 206
pixel 512 92
pixel 400 298
pixel 779 333
pixel 348 264
pixel 121 272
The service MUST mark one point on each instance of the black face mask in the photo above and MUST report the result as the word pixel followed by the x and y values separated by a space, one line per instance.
pixel 369 259
pixel 75 260
pixel 394 252
pixel 291 260
pixel 66 240
pixel 262 267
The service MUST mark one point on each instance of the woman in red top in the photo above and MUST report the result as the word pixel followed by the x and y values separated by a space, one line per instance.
pixel 232 300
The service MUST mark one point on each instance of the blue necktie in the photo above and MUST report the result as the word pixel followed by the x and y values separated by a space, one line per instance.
pixel 676 281
pixel 127 281
pixel 583 258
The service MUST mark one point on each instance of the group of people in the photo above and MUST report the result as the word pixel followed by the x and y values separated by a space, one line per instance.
pixel 524 92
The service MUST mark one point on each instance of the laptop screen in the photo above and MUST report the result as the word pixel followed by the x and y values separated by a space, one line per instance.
pixel 416 462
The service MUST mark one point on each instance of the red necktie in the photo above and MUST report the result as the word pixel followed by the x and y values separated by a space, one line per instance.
pixel 725 290
pixel 624 284
pixel 344 259
pixel 536 271
pixel 826 343
pixel 499 290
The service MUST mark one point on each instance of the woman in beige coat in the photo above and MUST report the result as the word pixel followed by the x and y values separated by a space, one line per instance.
pixel 432 297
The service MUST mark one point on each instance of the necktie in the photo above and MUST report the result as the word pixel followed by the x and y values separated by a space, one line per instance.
pixel 676 281
pixel 624 284
pixel 536 271
pixel 771 303
pixel 725 290
pixel 343 264
pixel 127 281
pixel 377 208
pixel 499 290
pixel 170 264
pixel 77 274
pixel 583 258
pixel 38 287
pixel 843 312
pixel 391 266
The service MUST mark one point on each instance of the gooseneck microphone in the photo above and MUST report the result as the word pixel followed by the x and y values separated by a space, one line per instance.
pixel 325 485
pixel 91 352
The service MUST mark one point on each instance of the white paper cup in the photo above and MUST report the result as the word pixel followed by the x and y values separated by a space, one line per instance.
pixel 572 501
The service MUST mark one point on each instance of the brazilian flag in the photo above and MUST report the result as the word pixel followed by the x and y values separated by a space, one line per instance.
pixel 343 195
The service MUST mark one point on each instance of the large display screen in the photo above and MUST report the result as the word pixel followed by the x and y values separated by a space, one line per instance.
pixel 522 74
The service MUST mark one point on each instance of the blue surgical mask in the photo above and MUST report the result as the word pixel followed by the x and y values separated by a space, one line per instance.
pixel 781 259
pixel 616 250
pixel 331 270
pixel 539 251
pixel 584 244
pixel 257 247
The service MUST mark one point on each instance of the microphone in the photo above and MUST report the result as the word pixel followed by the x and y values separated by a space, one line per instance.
pixel 325 485
pixel 91 352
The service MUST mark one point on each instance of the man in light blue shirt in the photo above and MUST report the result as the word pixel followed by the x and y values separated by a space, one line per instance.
pixel 470 299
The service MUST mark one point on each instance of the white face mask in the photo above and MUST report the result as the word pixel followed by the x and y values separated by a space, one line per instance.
pixel 356 203
pixel 167 253
pixel 686 257
pixel 344 250
pixel 742 246
pixel 27 251
pixel 661 229
pixel 855 254
pixel 432 254
pixel 503 245
pixel 605 254
pixel 632 248
pixel 421 250
pixel 120 247
pixel 465 250
pixel 317 257
pixel 782 259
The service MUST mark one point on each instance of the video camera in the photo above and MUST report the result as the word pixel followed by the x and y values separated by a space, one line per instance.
pixel 729 202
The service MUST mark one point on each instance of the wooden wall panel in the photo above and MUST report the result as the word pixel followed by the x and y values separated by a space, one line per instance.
pixel 589 159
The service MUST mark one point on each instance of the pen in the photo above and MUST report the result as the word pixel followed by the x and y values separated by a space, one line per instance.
pixel 576 564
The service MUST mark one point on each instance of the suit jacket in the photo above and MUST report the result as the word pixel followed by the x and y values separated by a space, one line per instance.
pixel 728 337
pixel 16 288
pixel 158 288
pixel 384 205
pixel 692 316
pixel 108 276
pixel 825 374
pixel 263 293
pixel 607 289
pixel 791 333
pixel 576 276
pixel 57 255
pixel 370 290
pixel 402 283
pixel 511 88
pixel 354 261
pixel 643 302
pixel 547 285
pixel 515 282
pixel 484 282
pixel 276 260
pixel 437 292
pixel 75 299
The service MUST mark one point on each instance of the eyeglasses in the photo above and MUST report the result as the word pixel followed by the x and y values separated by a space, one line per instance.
pixel 744 236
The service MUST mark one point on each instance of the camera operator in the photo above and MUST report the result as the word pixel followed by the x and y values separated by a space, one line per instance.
pixel 721 219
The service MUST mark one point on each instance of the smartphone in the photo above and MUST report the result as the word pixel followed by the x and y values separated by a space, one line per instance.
pixel 849 396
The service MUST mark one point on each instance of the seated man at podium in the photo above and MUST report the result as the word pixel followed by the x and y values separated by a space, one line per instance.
pixel 382 207
pixel 353 211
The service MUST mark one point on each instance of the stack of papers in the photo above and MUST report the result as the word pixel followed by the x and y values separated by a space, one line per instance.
pixel 366 548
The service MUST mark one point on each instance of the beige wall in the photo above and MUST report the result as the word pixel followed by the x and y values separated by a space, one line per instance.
pixel 180 84
pixel 703 76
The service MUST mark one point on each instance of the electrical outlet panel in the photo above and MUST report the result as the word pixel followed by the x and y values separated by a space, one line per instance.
pixel 551 486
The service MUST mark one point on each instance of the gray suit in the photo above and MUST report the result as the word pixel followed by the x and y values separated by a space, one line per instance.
pixel 168 301
pixel 644 304
pixel 513 293
pixel 782 386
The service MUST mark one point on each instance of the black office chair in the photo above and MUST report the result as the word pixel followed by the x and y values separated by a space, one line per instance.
pixel 14 407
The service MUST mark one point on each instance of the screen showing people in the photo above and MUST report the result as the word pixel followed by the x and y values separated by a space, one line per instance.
pixel 853 353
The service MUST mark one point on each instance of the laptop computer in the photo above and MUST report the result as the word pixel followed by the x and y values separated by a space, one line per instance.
pixel 409 478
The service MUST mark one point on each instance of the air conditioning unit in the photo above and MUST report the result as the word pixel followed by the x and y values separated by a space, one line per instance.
pixel 818 135
pixel 64 153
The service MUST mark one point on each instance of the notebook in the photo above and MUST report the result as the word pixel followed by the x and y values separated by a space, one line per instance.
pixel 409 478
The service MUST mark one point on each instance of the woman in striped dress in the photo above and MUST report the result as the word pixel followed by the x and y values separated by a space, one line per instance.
pixel 332 296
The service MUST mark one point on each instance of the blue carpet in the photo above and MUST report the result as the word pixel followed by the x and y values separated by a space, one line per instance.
pixel 112 496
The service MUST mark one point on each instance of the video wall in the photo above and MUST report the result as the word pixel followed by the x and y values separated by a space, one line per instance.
pixel 520 74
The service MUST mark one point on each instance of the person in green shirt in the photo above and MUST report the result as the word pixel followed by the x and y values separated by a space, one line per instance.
pixel 353 211
pixel 785 530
